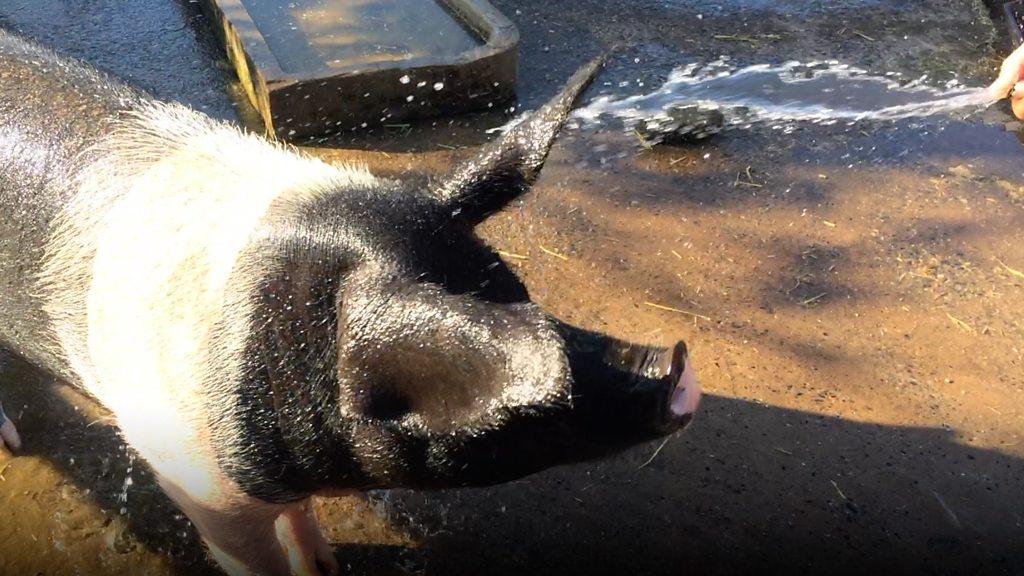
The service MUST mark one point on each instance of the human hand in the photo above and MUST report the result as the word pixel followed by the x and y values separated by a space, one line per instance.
pixel 1009 84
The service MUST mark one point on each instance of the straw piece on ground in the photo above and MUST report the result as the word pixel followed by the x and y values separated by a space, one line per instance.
pixel 553 253
pixel 512 255
pixel 1012 271
pixel 961 324
pixel 814 299
pixel 656 452
pixel 836 486
pixel 676 310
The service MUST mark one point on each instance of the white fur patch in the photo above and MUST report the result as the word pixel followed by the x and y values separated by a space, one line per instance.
pixel 135 274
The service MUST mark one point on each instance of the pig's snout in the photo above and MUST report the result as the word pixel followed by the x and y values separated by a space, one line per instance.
pixel 626 390
pixel 674 390
pixel 685 387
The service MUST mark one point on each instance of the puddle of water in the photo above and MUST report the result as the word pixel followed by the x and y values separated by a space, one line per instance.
pixel 780 96
pixel 309 35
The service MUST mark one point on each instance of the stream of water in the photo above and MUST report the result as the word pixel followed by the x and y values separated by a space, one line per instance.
pixel 782 95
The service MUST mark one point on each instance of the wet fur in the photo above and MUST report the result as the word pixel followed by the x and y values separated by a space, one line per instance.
pixel 124 219
pixel 136 272
pixel 171 242
pixel 264 325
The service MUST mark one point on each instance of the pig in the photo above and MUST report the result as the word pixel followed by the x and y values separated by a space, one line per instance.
pixel 265 327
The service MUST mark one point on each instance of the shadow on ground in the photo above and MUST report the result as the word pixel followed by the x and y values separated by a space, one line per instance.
pixel 748 489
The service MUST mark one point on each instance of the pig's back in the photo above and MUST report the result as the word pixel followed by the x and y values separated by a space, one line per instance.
pixel 51 108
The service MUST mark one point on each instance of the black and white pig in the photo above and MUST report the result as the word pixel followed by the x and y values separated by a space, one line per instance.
pixel 265 326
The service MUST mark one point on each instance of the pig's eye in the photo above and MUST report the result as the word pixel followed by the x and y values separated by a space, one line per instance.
pixel 386 403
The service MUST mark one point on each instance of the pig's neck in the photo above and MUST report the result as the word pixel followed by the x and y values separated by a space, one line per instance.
pixel 285 426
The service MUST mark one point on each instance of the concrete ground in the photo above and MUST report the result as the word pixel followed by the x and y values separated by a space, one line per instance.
pixel 854 298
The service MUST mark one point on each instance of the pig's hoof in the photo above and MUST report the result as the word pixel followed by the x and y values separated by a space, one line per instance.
pixel 9 438
pixel 308 551
pixel 326 562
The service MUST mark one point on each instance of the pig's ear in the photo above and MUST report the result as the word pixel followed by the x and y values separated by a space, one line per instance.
pixel 506 167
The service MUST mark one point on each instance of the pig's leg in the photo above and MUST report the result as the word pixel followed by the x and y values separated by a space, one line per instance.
pixel 9 438
pixel 299 532
pixel 239 532
pixel 250 537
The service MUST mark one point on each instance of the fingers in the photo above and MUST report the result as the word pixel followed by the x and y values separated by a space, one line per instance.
pixel 1017 102
pixel 1010 73
pixel 9 437
pixel 1001 87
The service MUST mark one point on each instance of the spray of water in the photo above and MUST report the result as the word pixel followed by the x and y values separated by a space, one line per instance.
pixel 819 92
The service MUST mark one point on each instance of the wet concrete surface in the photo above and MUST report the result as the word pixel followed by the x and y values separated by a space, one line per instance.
pixel 852 294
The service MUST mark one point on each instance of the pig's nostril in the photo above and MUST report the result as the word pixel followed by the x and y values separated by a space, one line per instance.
pixel 387 404
pixel 662 364
pixel 678 361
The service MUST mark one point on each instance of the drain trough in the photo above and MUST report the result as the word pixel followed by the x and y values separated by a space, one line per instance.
pixel 317 67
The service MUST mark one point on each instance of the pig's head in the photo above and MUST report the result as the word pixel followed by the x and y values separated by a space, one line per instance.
pixel 394 348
